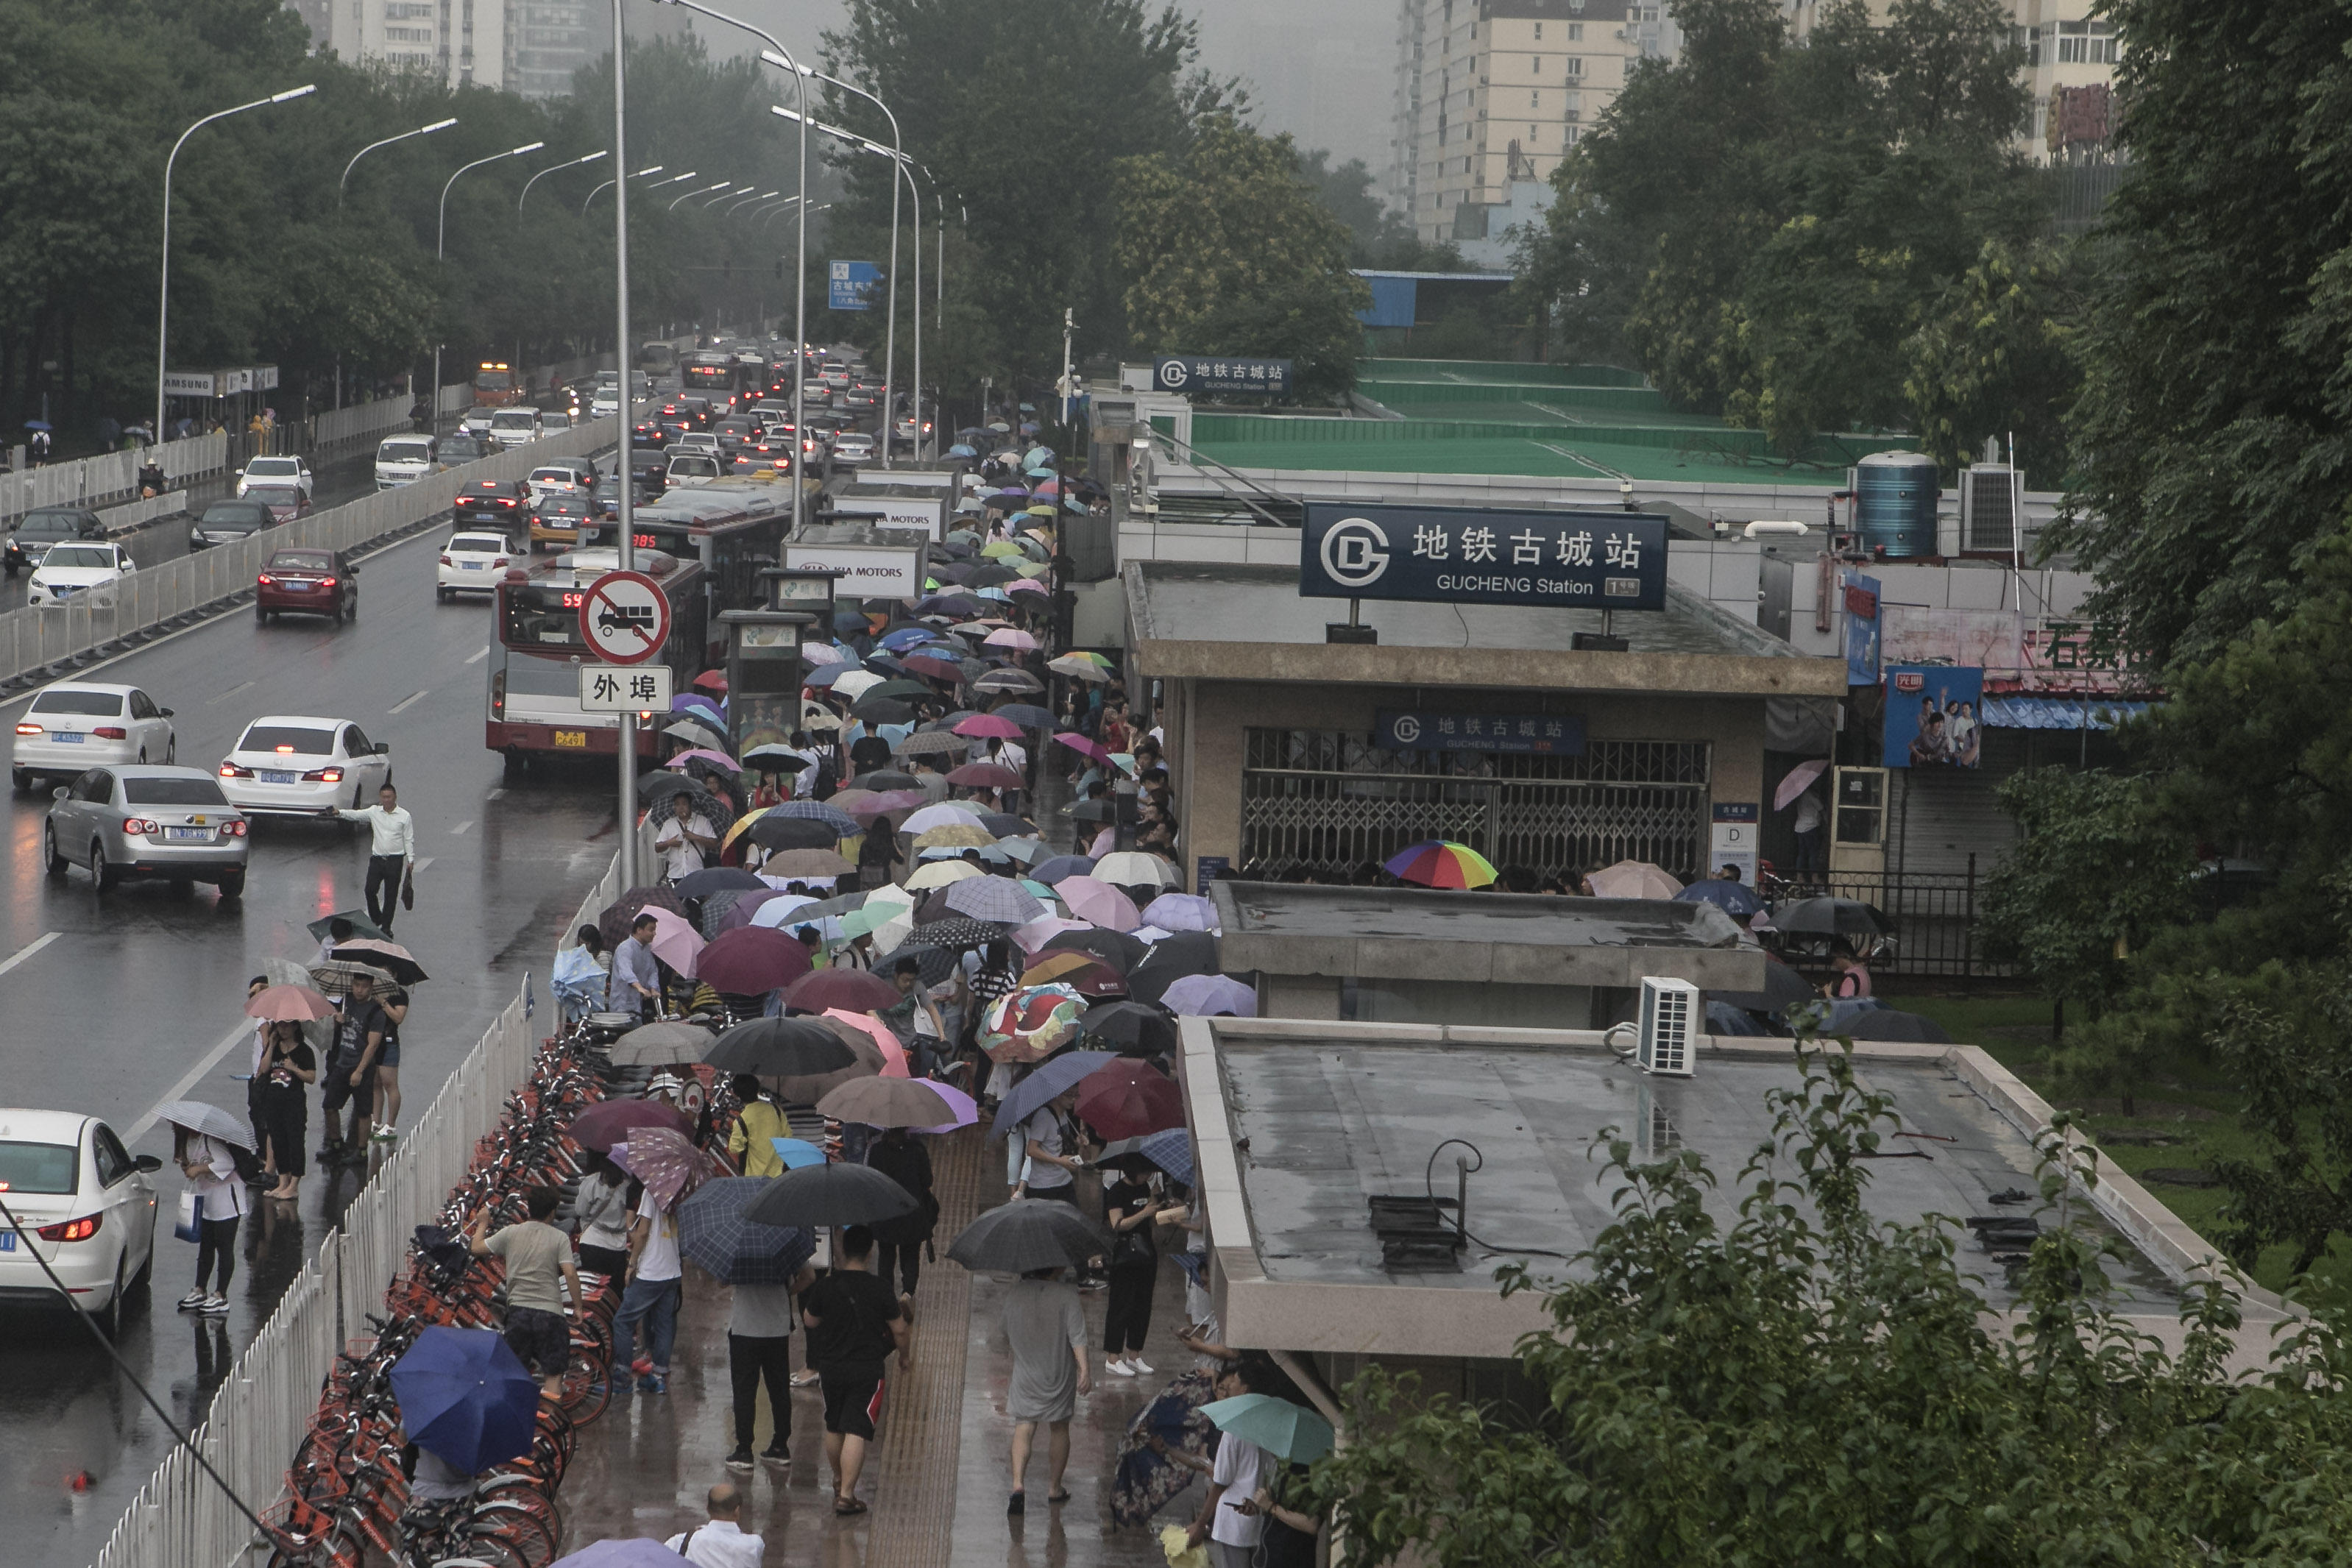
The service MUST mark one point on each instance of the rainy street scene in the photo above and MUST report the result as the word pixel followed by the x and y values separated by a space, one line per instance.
pixel 1175 784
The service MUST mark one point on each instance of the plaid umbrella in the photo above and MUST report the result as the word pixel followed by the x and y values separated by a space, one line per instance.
pixel 789 863
pixel 994 898
pixel 931 742
pixel 713 1232
pixel 662 1159
pixel 816 811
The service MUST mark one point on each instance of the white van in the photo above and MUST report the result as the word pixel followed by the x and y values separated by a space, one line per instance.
pixel 515 426
pixel 405 459
pixel 691 468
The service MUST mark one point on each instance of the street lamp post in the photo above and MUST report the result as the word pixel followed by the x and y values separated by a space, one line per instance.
pixel 799 271
pixel 607 185
pixel 441 239
pixel 627 468
pixel 735 204
pixel 164 280
pixel 704 191
pixel 420 131
pixel 551 169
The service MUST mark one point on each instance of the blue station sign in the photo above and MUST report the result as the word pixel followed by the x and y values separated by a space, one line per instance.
pixel 1476 555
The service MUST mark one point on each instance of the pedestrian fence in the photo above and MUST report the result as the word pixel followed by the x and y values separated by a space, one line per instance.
pixel 33 639
pixel 89 480
pixel 1931 918
pixel 258 1416
pixel 359 420
pixel 130 515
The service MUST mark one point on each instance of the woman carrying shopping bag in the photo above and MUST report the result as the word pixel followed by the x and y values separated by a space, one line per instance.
pixel 206 1144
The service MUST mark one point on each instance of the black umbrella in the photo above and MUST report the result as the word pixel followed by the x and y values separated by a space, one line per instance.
pixel 1029 1233
pixel 886 779
pixel 717 879
pixel 832 1194
pixel 932 963
pixel 1004 825
pixel 1783 988
pixel 1130 1026
pixel 1170 959
pixel 1829 917
pixel 1885 1023
pixel 1028 716
pixel 779 1048
pixel 883 710
pixel 957 933
pixel 656 788
pixel 900 688
pixel 1117 948
pixel 991 576
pixel 791 833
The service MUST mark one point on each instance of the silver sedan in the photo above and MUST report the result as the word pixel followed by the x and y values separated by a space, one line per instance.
pixel 132 821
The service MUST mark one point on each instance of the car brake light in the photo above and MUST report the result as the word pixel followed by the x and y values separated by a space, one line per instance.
pixel 80 1229
pixel 111 732
pixel 323 776
pixel 500 561
pixel 267 580
pixel 285 750
pixel 499 695
pixel 446 561
pixel 329 582
pixel 138 827
pixel 233 828
pixel 30 729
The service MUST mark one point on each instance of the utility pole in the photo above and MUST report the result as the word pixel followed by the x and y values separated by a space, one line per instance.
pixel 627 461
pixel 1069 325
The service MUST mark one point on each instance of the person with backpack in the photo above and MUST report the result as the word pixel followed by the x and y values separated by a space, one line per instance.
pixel 216 1180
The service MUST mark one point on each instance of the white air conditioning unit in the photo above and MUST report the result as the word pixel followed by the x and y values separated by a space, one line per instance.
pixel 1989 508
pixel 1668 1041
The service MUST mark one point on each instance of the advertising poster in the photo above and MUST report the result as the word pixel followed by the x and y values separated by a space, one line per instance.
pixel 1934 716
pixel 1861 595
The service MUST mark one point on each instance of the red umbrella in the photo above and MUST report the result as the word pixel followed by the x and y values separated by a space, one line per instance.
pixel 712 681
pixel 750 959
pixel 986 776
pixel 610 1122
pixel 851 990
pixel 1127 1099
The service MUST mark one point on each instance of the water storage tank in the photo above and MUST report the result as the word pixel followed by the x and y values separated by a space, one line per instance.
pixel 1894 504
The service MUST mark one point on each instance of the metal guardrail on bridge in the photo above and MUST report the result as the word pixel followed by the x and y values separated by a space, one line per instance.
pixel 112 474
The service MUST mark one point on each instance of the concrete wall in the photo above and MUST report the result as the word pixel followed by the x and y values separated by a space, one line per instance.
pixel 1206 721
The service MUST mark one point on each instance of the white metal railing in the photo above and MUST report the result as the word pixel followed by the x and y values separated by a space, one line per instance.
pixel 180 1520
pixel 454 398
pixel 359 420
pixel 132 514
pixel 109 475
pixel 31 639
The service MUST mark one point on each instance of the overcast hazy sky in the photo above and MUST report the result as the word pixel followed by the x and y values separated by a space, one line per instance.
pixel 1319 70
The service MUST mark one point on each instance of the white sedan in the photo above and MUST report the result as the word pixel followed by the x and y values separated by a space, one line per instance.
pixel 72 727
pixel 278 471
pixel 294 766
pixel 87 1206
pixel 79 570
pixel 472 562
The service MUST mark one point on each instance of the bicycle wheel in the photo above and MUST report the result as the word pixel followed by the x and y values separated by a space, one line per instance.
pixel 529 1534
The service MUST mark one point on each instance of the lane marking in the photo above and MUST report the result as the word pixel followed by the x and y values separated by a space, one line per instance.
pixel 229 694
pixel 190 1079
pixel 408 701
pixel 464 826
pixel 28 949
pixel 425 863
pixel 480 653
pixel 496 794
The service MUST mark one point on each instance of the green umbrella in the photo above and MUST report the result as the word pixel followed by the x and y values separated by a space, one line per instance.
pixel 1287 1431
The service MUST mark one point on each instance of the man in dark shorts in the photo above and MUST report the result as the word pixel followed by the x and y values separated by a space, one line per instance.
pixel 538 1258
pixel 854 1323
pixel 349 1077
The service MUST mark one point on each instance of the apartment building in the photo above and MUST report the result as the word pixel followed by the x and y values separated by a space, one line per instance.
pixel 2069 64
pixel 527 47
pixel 1490 93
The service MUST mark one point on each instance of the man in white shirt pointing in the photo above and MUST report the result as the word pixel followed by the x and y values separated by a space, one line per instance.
pixel 392 845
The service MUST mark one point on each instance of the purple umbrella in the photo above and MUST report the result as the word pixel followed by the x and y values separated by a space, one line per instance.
pixel 1206 996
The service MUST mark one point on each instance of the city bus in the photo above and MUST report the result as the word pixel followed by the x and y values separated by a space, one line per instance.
pixel 718 375
pixel 730 527
pixel 533 708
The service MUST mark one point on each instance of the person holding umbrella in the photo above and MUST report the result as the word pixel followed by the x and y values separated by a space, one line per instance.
pixel 204 1140
pixel 854 1323
pixel 655 1283
pixel 1242 1467
pixel 538 1255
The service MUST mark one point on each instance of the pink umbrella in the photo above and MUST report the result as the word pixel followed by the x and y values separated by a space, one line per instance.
pixel 662 1159
pixel 894 1055
pixel 987 726
pixel 717 759
pixel 1008 637
pixel 675 943
pixel 1098 901
pixel 1024 585
pixel 1032 937
pixel 1084 747
pixel 1800 777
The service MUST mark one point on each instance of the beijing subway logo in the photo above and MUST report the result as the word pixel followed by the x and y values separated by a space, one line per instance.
pixel 1172 374
pixel 1355 552
pixel 1407 729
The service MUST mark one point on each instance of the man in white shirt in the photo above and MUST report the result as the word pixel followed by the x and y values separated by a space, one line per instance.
pixel 685 840
pixel 722 1544
pixel 391 844
pixel 1241 1469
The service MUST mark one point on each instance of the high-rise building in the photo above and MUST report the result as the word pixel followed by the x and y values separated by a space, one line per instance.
pixel 527 47
pixel 1490 93
pixel 2070 64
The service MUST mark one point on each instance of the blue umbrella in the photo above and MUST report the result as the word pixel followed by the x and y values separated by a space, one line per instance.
pixel 825 674
pixel 796 1152
pixel 712 1231
pixel 1049 1078
pixel 1055 870
pixel 467 1397
pixel 1171 1151
pixel 1146 1482
pixel 960 450
pixel 818 811
pixel 39 424
pixel 1736 899
pixel 905 637
pixel 1288 1431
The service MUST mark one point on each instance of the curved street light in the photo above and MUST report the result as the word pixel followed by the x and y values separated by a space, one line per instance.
pixel 736 205
pixel 551 169
pixel 163 279
pixel 704 191
pixel 608 185
pixel 420 131
pixel 441 237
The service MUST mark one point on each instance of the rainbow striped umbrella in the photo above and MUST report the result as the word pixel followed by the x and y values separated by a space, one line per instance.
pixel 1440 863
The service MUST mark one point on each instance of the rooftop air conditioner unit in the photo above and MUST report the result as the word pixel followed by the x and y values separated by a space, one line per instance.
pixel 1669 1029
pixel 1989 508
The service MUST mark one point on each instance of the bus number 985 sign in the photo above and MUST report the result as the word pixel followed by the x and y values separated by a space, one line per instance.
pixel 625 619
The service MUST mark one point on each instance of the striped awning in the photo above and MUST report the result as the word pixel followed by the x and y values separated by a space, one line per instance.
pixel 2058 713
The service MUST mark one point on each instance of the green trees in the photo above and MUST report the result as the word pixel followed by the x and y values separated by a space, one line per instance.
pixel 1227 250
pixel 1763 227
pixel 1797 1384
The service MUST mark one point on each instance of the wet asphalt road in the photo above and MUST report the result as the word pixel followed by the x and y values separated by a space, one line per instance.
pixel 112 1001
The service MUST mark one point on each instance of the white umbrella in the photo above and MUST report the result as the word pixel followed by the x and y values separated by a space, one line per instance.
pixel 1799 777
pixel 938 874
pixel 210 1120
pixel 777 911
pixel 946 814
pixel 1633 879
pixel 1135 868
pixel 857 683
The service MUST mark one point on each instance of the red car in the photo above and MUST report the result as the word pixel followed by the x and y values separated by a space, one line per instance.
pixel 307 582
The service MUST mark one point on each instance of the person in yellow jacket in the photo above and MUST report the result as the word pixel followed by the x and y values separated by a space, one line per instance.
pixel 759 1120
